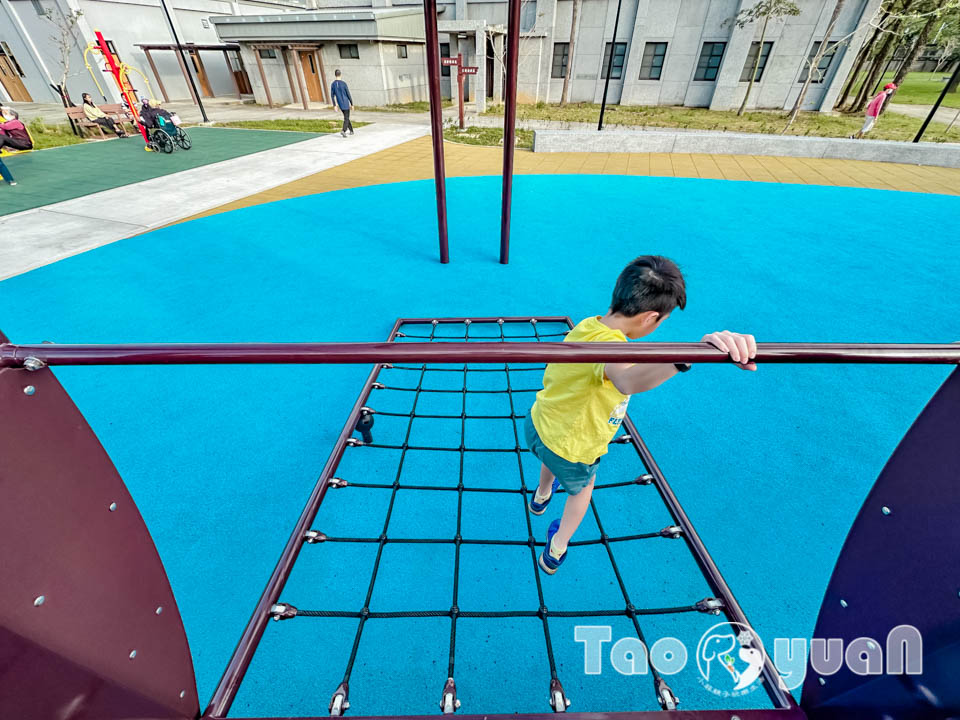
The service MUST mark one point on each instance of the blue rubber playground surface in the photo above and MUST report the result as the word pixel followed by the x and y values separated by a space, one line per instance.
pixel 771 466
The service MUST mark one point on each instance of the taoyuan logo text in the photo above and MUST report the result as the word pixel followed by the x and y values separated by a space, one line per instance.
pixel 730 657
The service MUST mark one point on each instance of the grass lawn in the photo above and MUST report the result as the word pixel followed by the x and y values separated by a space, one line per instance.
pixel 919 88
pixel 314 126
pixel 890 127
pixel 411 107
pixel 493 136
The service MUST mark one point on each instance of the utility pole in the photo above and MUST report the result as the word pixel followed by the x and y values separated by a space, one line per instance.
pixel 183 58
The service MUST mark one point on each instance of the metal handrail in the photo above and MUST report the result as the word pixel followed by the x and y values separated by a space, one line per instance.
pixel 13 355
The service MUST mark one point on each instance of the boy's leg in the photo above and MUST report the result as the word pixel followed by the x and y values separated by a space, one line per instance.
pixel 573 512
pixel 5 173
pixel 546 482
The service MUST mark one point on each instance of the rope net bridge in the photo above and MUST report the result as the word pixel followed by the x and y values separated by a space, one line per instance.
pixel 402 400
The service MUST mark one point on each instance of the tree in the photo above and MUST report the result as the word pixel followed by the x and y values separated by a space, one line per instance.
pixel 565 93
pixel 765 9
pixel 861 59
pixel 64 38
pixel 814 63
pixel 918 45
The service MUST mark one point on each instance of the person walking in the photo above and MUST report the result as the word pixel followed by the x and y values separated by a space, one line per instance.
pixel 342 101
pixel 873 110
pixel 5 174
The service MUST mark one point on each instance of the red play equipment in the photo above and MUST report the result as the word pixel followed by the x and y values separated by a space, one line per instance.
pixel 125 89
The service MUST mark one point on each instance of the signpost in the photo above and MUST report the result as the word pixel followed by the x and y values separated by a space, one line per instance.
pixel 461 71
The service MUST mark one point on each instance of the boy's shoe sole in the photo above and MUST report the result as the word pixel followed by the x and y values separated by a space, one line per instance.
pixel 547 562
pixel 538 508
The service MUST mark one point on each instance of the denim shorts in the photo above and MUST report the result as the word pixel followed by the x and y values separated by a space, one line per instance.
pixel 573 476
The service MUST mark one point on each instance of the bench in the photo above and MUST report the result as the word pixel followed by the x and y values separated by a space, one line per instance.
pixel 116 111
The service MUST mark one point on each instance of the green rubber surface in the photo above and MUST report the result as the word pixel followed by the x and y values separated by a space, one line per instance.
pixel 56 174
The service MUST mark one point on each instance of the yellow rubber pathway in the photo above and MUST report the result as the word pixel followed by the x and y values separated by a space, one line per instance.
pixel 413 161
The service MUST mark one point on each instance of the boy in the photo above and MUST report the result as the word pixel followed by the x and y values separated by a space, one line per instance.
pixel 581 405
pixel 342 100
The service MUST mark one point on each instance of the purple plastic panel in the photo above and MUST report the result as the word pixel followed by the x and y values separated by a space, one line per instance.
pixel 88 624
pixel 900 565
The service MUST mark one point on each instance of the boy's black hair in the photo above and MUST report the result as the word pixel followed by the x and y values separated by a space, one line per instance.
pixel 337 73
pixel 651 282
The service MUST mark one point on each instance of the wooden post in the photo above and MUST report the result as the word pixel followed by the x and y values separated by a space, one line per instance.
pixel 183 69
pixel 236 85
pixel 263 77
pixel 163 90
pixel 202 72
pixel 298 69
pixel 286 66
pixel 325 90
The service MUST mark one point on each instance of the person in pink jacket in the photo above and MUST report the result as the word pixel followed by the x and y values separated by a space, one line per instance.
pixel 873 110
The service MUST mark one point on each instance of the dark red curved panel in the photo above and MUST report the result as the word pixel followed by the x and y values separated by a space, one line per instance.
pixel 106 640
pixel 900 565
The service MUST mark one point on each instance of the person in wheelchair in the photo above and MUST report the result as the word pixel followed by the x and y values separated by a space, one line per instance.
pixel 162 128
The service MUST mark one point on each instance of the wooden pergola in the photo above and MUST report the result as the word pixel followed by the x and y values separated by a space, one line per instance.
pixel 313 48
pixel 189 47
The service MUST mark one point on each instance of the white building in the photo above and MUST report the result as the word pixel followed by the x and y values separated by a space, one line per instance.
pixel 30 61
pixel 666 52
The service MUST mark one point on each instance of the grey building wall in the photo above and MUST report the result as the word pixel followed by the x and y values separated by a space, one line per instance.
pixel 126 23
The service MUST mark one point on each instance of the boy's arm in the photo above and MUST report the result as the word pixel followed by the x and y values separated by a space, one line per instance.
pixel 630 379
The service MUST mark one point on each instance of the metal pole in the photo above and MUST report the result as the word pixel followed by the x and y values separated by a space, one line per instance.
pixel 436 121
pixel 460 85
pixel 509 125
pixel 613 48
pixel 480 352
pixel 183 59
pixel 933 110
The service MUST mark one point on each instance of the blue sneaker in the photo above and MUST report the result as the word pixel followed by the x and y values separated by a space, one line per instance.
pixel 537 508
pixel 548 563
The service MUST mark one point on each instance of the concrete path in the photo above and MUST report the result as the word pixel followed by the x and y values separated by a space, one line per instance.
pixel 944 114
pixel 44 235
pixel 230 110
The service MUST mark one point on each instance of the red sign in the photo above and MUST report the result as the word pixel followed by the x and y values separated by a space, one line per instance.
pixel 448 61
pixel 469 70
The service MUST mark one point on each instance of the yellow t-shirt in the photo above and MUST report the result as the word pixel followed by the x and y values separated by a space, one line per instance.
pixel 579 409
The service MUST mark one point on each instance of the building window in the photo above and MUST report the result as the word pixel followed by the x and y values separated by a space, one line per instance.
pixel 402 52
pixel 528 15
pixel 268 54
pixel 652 64
pixel 709 63
pixel 820 72
pixel 619 54
pixel 561 53
pixel 445 52
pixel 752 60
pixel 6 51
pixel 349 52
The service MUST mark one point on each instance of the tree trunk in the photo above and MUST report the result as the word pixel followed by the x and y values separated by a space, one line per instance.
pixel 861 59
pixel 756 64
pixel 565 93
pixel 824 46
pixel 879 63
pixel 908 61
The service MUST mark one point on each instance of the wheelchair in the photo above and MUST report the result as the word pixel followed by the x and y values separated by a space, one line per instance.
pixel 166 137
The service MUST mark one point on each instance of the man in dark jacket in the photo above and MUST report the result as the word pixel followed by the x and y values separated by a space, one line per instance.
pixel 342 100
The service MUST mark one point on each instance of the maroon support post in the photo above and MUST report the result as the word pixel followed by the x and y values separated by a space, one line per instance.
pixel 460 85
pixel 509 125
pixel 436 121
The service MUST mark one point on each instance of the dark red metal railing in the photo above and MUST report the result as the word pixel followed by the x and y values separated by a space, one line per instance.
pixel 12 355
